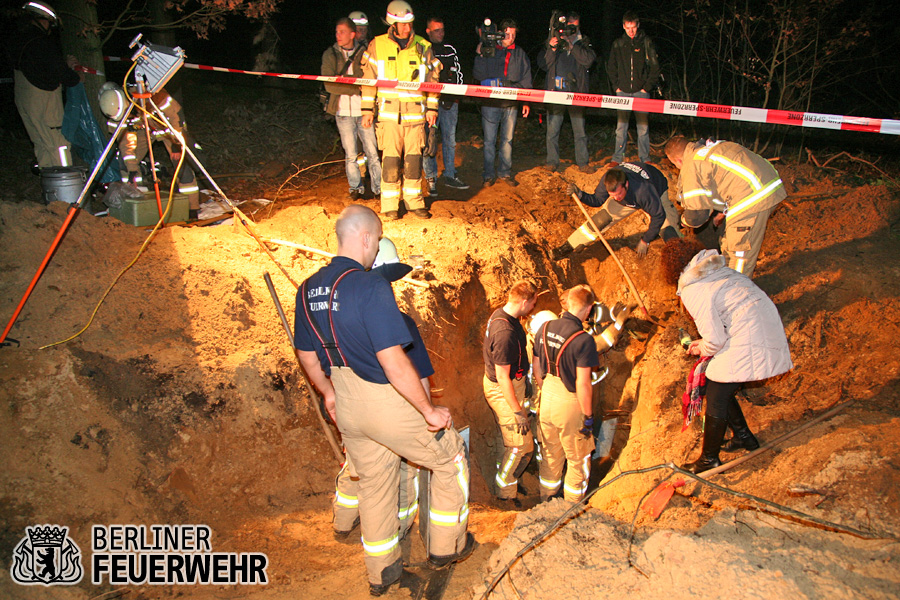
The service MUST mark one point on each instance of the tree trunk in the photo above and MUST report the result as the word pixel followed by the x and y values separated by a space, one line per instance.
pixel 79 20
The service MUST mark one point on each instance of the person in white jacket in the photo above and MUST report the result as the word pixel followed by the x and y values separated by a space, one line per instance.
pixel 741 330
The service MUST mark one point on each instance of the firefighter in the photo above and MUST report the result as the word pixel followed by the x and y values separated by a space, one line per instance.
pixel 624 189
pixel 400 55
pixel 133 140
pixel 345 506
pixel 505 368
pixel 355 357
pixel 744 187
pixel 40 74
pixel 564 356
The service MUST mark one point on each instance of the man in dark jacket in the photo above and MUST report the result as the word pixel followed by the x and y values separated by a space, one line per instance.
pixel 448 108
pixel 40 73
pixel 567 60
pixel 633 70
pixel 345 103
pixel 623 190
pixel 508 67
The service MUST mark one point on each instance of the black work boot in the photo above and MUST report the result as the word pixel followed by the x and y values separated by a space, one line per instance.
pixel 389 576
pixel 743 438
pixel 562 251
pixel 713 432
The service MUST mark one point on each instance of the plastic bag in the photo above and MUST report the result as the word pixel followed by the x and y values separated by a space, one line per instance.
pixel 82 131
pixel 118 191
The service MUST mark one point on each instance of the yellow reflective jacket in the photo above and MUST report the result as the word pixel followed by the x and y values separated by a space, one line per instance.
pixel 727 177
pixel 385 60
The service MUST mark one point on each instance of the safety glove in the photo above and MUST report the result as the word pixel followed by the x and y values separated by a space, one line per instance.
pixel 642 249
pixel 572 189
pixel 522 425
pixel 587 428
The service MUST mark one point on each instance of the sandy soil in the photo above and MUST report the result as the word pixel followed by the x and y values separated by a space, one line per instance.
pixel 181 402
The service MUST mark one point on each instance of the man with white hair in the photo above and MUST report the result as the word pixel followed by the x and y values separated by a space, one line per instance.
pixel 351 343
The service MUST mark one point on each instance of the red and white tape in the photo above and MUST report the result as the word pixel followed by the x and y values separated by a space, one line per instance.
pixel 664 107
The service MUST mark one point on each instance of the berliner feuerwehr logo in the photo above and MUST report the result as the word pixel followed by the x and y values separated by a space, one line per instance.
pixel 46 556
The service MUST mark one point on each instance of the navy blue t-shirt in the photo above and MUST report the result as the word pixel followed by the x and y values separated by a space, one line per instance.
pixel 646 185
pixel 581 351
pixel 365 315
pixel 416 351
pixel 504 344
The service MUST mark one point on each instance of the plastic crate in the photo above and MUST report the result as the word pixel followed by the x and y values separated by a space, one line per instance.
pixel 143 212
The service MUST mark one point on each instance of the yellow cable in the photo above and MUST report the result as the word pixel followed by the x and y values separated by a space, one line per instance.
pixel 133 261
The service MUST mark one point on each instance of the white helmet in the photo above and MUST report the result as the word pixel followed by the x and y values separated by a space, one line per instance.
pixel 113 101
pixel 538 320
pixel 387 263
pixel 399 11
pixel 359 17
pixel 42 10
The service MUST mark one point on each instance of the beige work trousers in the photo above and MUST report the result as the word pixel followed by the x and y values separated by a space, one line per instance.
pixel 133 144
pixel 42 114
pixel 585 234
pixel 401 162
pixel 345 506
pixel 560 419
pixel 743 239
pixel 378 427
pixel 517 447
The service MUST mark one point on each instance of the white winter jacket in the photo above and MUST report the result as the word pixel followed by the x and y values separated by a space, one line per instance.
pixel 739 324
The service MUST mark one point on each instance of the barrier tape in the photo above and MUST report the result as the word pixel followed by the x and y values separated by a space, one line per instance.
pixel 663 107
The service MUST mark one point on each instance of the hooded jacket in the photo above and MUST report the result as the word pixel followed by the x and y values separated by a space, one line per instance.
pixel 739 324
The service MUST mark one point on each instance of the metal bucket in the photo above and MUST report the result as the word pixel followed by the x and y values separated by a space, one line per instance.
pixel 62 183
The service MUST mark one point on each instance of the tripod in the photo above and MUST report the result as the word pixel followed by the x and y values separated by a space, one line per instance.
pixel 147 57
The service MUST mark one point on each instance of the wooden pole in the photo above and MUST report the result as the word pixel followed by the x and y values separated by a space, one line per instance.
pixel 613 254
pixel 335 446
pixel 312 250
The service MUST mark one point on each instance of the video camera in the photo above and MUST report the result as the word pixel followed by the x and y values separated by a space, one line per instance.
pixel 489 38
pixel 560 29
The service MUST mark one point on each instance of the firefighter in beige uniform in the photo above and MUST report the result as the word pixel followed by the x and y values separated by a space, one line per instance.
pixel 564 355
pixel 400 55
pixel 345 506
pixel 350 336
pixel 133 143
pixel 505 366
pixel 726 177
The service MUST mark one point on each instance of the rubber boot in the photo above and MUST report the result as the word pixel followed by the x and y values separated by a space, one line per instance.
pixel 713 432
pixel 743 438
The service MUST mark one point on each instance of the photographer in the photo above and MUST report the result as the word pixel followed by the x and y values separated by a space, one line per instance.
pixel 567 59
pixel 501 65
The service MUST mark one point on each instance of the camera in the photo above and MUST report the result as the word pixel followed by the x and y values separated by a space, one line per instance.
pixel 489 38
pixel 560 29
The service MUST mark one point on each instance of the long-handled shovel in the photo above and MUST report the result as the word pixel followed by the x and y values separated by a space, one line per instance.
pixel 312 391
pixel 613 254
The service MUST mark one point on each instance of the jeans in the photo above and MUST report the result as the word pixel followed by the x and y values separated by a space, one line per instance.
pixel 351 131
pixel 447 119
pixel 643 130
pixel 493 119
pixel 555 116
